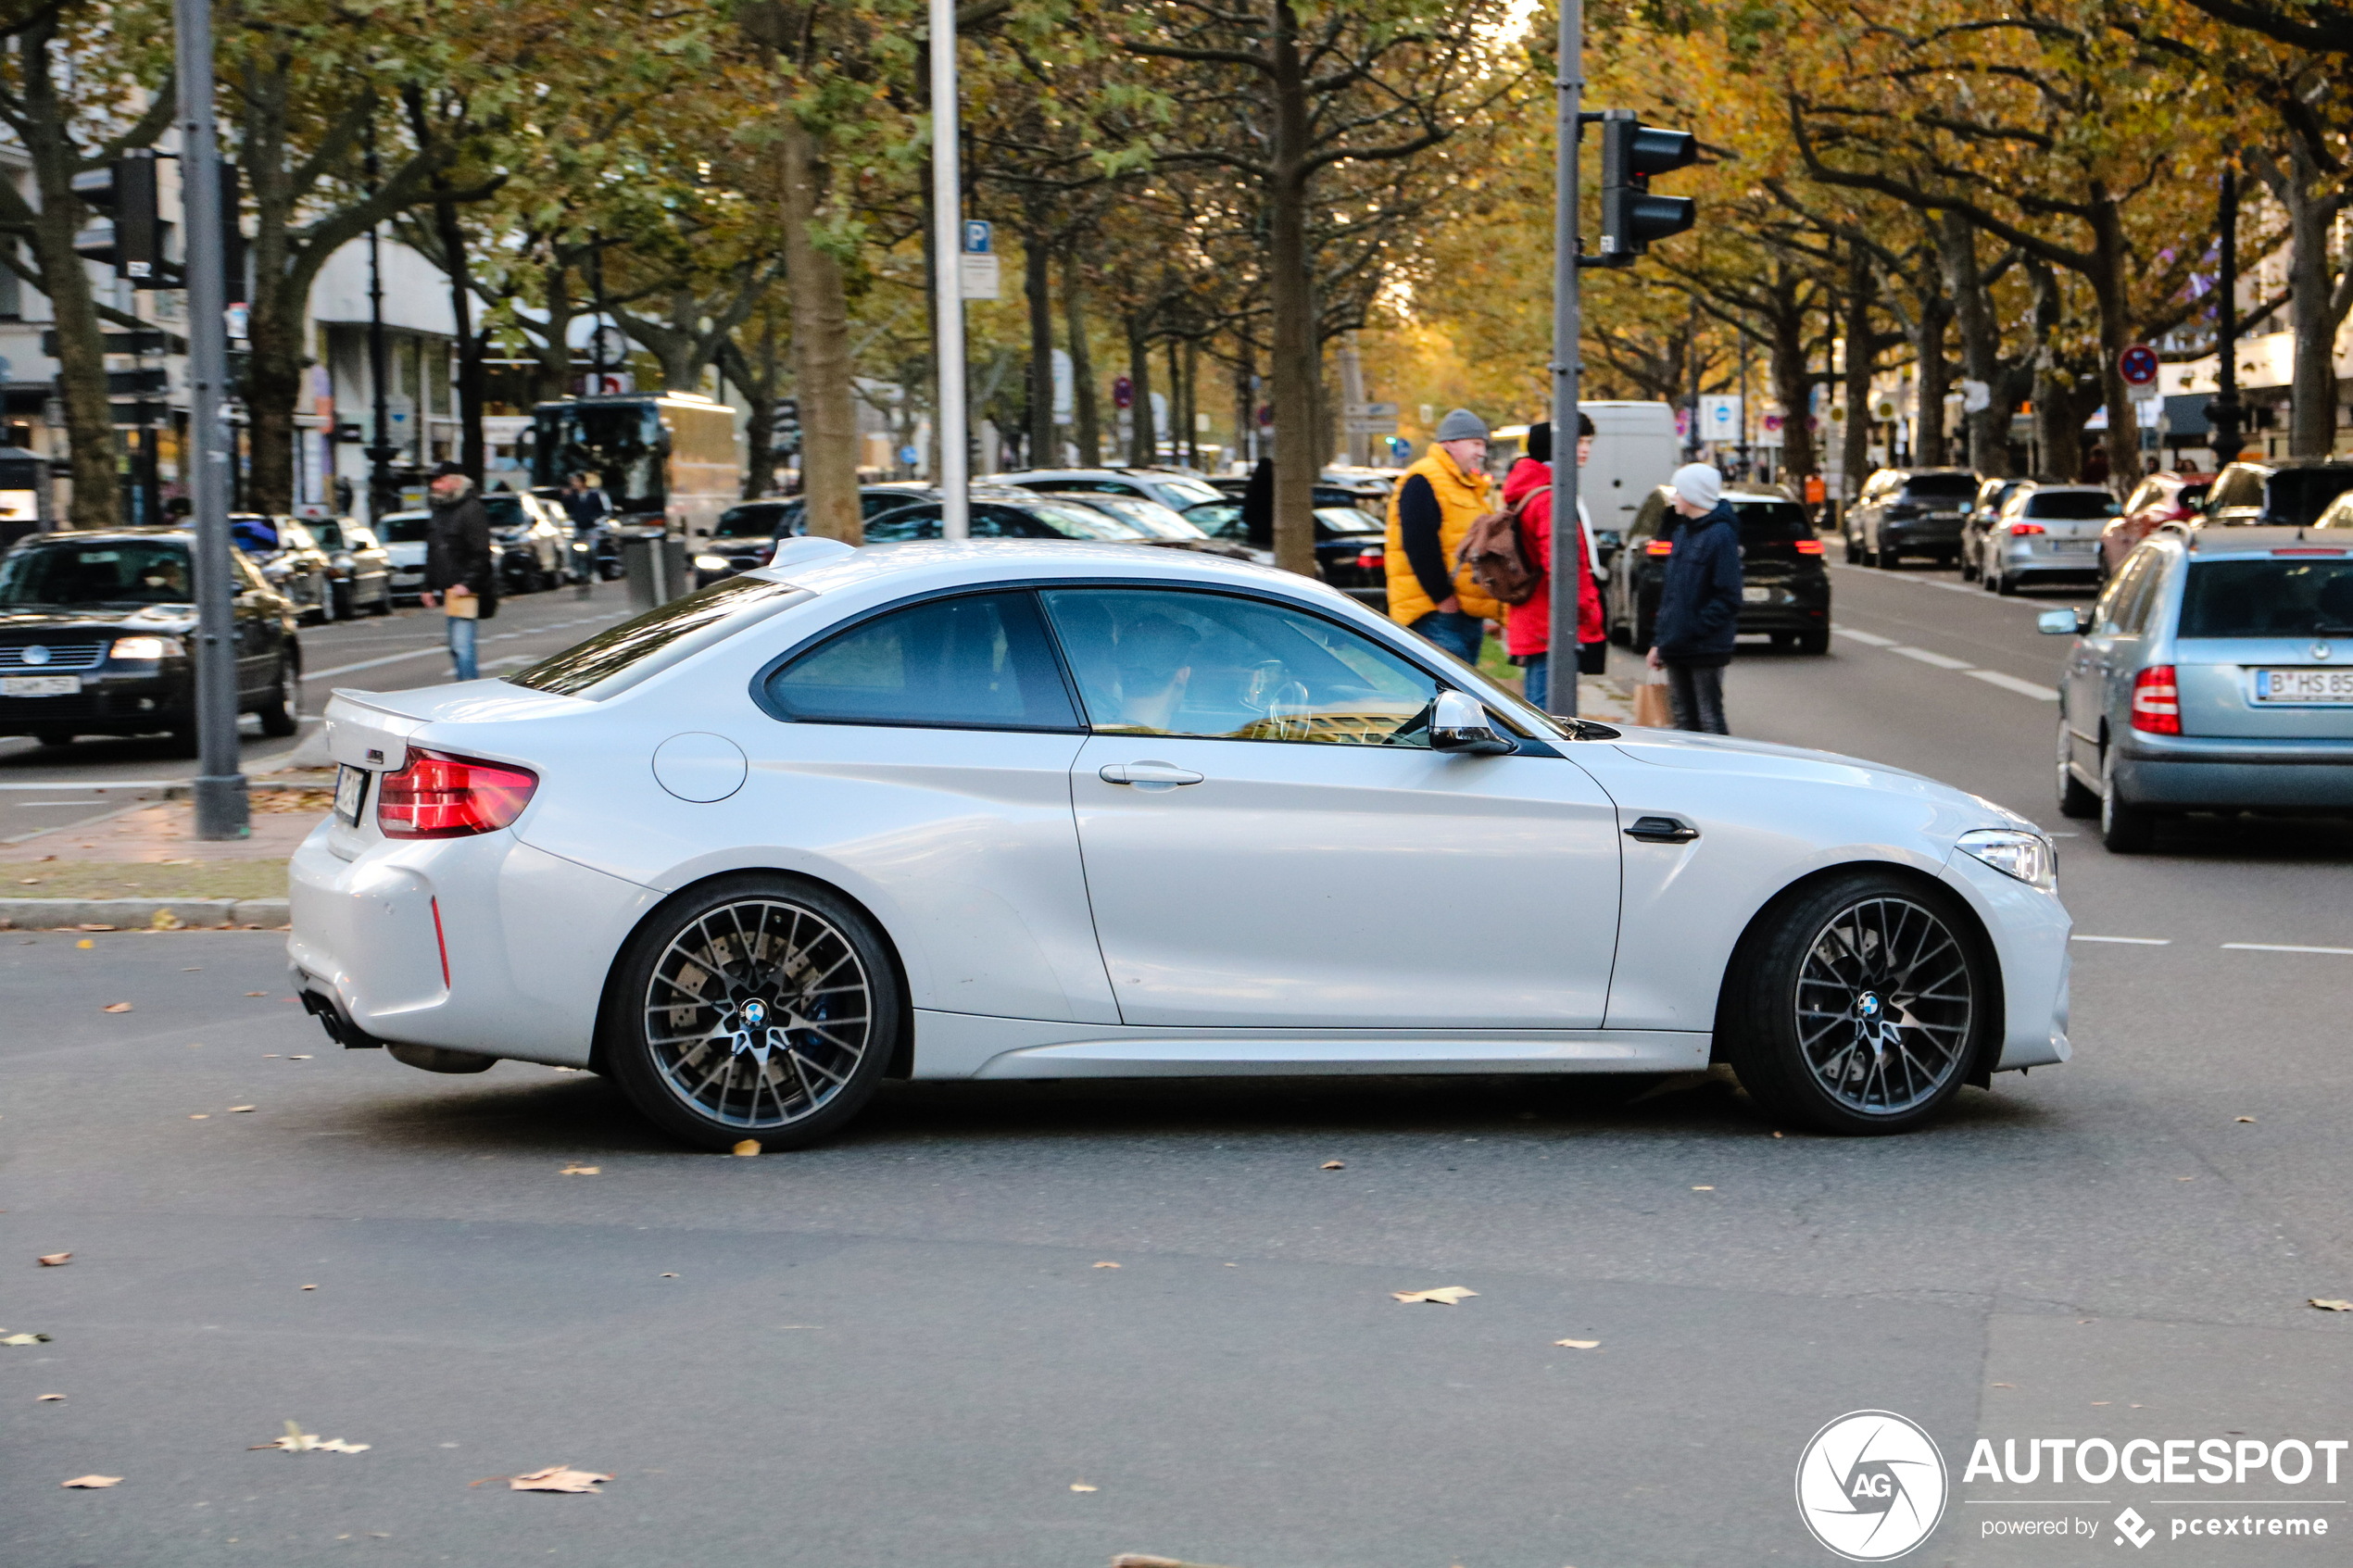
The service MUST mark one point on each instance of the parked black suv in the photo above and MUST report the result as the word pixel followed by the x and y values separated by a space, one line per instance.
pixel 1909 512
pixel 1784 589
pixel 2277 492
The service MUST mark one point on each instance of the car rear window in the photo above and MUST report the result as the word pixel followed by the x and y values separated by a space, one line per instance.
pixel 635 650
pixel 1940 488
pixel 2064 505
pixel 407 528
pixel 2298 496
pixel 1772 522
pixel 748 523
pixel 2269 598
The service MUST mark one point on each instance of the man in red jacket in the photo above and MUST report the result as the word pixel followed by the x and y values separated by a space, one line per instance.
pixel 1528 627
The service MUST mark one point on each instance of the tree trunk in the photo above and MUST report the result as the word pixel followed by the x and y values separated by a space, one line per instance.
pixel 2312 321
pixel 2116 332
pixel 1141 449
pixel 1854 457
pixel 1245 411
pixel 2059 429
pixel 1981 334
pixel 1936 316
pixel 1037 287
pixel 1290 297
pixel 821 345
pixel 473 378
pixel 1792 379
pixel 1192 402
pixel 1086 419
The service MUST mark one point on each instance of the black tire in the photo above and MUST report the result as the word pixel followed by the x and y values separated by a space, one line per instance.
pixel 384 600
pixel 2005 585
pixel 2074 799
pixel 53 742
pixel 818 1078
pixel 1859 1004
pixel 1814 642
pixel 2125 828
pixel 1887 559
pixel 282 710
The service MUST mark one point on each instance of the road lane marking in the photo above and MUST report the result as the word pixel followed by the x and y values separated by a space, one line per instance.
pixel 2012 684
pixel 1869 639
pixel 101 788
pixel 1942 660
pixel 2129 941
pixel 2282 948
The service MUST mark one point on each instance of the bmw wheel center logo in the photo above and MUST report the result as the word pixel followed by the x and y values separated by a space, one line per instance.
pixel 1871 1486
pixel 755 1014
pixel 1868 1004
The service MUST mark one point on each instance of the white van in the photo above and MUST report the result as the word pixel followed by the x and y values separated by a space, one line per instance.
pixel 1635 450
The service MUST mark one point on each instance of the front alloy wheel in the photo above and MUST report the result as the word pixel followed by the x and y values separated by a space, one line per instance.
pixel 1862 1006
pixel 764 1008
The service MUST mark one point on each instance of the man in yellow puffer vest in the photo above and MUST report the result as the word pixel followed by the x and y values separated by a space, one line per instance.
pixel 1429 511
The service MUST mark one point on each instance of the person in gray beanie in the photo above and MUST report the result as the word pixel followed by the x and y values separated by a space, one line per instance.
pixel 1699 601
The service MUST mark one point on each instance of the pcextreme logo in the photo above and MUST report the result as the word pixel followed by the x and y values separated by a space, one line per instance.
pixel 1870 1485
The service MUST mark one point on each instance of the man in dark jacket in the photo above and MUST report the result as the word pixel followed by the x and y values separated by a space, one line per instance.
pixel 459 564
pixel 1699 602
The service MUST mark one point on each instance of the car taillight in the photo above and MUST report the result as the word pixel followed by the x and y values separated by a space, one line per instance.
pixel 2028 528
pixel 437 796
pixel 1373 560
pixel 1660 547
pixel 1809 546
pixel 2156 701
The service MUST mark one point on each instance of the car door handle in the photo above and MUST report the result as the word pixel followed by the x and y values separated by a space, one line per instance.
pixel 1662 829
pixel 1163 773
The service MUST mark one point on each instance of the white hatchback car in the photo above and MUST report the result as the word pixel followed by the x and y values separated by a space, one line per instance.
pixel 1011 810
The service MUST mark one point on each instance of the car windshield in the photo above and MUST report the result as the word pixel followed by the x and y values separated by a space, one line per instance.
pixel 748 523
pixel 1078 522
pixel 1219 519
pixel 1347 521
pixel 2065 504
pixel 1772 522
pixel 2298 496
pixel 407 528
pixel 1186 492
pixel 506 510
pixel 620 442
pixel 2269 598
pixel 1157 520
pixel 137 571
pixel 1941 489
pixel 660 635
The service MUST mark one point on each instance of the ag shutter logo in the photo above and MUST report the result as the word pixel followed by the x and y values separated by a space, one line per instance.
pixel 1870 1485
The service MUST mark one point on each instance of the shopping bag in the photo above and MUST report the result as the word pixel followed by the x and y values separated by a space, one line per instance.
pixel 1652 708
pixel 465 607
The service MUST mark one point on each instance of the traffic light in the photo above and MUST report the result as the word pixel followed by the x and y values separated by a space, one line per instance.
pixel 1631 217
pixel 132 239
pixel 784 425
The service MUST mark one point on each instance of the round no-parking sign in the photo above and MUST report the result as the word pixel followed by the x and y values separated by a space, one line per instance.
pixel 2138 365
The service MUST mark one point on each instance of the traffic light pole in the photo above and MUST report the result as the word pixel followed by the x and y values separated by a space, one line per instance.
pixel 219 785
pixel 1568 535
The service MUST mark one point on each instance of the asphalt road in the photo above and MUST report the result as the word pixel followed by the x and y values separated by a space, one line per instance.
pixel 42 788
pixel 903 1348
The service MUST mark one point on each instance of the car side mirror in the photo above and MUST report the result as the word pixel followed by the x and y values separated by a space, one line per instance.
pixel 2064 622
pixel 1459 722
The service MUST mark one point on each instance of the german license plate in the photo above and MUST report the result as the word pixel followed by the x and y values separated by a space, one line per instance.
pixel 2304 686
pixel 39 685
pixel 351 788
pixel 1756 596
pixel 2074 546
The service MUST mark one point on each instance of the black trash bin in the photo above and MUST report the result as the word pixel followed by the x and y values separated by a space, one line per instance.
pixel 656 569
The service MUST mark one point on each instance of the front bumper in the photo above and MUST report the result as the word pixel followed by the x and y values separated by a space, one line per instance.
pixel 126 702
pixel 2030 930
pixel 2195 773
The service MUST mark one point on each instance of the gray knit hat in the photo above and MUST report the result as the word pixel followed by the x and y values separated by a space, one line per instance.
pixel 1461 424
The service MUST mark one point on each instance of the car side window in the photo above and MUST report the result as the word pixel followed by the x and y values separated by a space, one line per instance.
pixel 2114 612
pixel 976 662
pixel 1222 667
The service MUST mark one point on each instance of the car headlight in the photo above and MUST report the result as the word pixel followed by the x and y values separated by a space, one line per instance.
pixel 714 563
pixel 144 647
pixel 2026 856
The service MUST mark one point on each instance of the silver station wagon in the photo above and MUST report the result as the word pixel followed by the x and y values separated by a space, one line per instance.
pixel 2214 673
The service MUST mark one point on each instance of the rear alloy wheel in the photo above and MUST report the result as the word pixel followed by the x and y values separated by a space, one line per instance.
pixel 282 710
pixel 2125 829
pixel 2074 799
pixel 1861 1007
pixel 760 1008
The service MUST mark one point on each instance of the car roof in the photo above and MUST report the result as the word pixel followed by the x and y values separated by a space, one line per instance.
pixel 927 564
pixel 107 536
pixel 2054 484
pixel 2244 541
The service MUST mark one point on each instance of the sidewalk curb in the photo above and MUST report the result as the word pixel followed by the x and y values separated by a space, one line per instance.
pixel 141 914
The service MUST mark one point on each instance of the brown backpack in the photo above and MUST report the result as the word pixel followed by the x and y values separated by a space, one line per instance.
pixel 1497 554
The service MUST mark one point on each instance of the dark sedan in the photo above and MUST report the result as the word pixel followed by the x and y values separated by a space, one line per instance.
pixel 1785 590
pixel 95 632
pixel 1351 545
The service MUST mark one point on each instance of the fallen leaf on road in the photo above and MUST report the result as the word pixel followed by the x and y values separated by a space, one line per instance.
pixel 237 1108
pixel 1107 1265
pixel 297 1441
pixel 304 1056
pixel 23 1338
pixel 1580 1344
pixel 2244 1117
pixel 91 1483
pixel 85 942
pixel 1332 1165
pixel 116 1006
pixel 558 1479
pixel 1445 1295
pixel 43 1398
pixel 583 1171
pixel 2328 1305
pixel 55 1260
pixel 2005 1386
pixel 165 920
pixel 311 1287
pixel 748 1146
pixel 1083 1486
pixel 1703 1189
pixel 28 882
pixel 670 1276
pixel 257 993
pixel 200 1116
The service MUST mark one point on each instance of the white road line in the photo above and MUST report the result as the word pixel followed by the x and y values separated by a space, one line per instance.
pixel 2129 941
pixel 1942 660
pixel 2012 684
pixel 2282 948
pixel 1869 639
pixel 101 788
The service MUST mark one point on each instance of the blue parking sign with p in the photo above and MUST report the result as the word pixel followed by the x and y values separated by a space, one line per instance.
pixel 979 238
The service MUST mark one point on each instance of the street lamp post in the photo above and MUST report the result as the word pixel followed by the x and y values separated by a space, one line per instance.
pixel 948 245
pixel 381 451
pixel 219 786
pixel 1568 535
